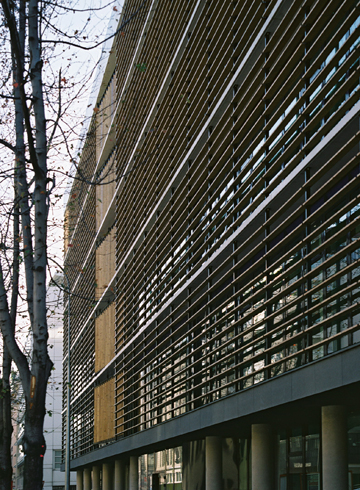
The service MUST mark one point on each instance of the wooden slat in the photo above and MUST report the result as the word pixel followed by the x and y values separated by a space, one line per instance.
pixel 104 337
pixel 104 412
pixel 105 262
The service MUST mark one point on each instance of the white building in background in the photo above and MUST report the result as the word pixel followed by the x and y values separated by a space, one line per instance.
pixel 54 478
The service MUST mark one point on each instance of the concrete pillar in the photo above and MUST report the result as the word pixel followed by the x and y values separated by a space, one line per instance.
pixel 262 464
pixel 119 475
pixel 133 473
pixel 79 480
pixel 96 478
pixel 334 448
pixel 87 479
pixel 107 477
pixel 213 463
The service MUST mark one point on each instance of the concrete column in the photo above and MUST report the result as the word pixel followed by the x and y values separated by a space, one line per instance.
pixel 334 448
pixel 133 473
pixel 119 475
pixel 96 478
pixel 213 463
pixel 87 479
pixel 262 465
pixel 79 480
pixel 107 476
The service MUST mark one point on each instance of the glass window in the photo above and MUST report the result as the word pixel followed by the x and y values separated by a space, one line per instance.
pixel 354 449
pixel 244 464
pixel 57 459
pixel 298 459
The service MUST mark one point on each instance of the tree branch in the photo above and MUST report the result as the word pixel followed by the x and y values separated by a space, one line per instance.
pixel 69 9
pixel 20 178
pixel 8 335
pixel 19 56
pixel 88 48
pixel 8 145
pixel 58 116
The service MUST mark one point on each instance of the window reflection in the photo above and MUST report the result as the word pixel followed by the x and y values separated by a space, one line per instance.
pixel 298 459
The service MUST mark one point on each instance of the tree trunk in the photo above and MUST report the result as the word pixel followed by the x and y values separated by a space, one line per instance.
pixel 6 427
pixel 34 443
pixel 5 424
pixel 33 439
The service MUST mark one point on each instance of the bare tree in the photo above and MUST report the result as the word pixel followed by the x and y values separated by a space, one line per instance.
pixel 34 377
pixel 29 97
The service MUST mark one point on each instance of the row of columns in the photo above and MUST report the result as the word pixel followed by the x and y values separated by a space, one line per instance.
pixel 334 452
pixel 113 476
pixel 334 460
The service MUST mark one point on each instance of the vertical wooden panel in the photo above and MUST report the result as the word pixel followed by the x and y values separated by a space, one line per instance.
pixel 103 117
pixel 105 337
pixel 104 411
pixel 120 403
pixel 105 263
pixel 66 229
pixel 105 190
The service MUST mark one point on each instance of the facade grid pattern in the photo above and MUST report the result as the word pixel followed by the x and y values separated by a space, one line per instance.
pixel 219 219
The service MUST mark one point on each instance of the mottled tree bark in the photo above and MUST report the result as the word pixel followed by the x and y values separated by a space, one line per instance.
pixel 6 427
pixel 5 423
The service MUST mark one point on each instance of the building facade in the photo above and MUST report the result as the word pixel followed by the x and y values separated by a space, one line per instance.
pixel 212 245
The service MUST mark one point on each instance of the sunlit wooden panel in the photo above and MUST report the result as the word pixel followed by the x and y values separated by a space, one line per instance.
pixel 104 412
pixel 104 337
